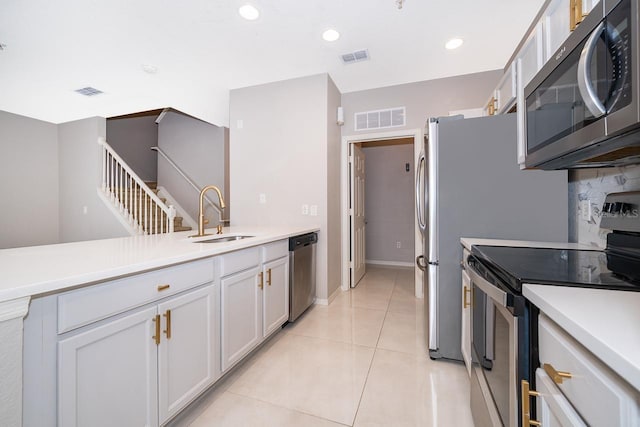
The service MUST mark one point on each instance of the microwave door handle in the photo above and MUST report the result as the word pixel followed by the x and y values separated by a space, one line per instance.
pixel 587 91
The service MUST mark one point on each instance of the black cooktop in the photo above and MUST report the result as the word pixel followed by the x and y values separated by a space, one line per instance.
pixel 561 267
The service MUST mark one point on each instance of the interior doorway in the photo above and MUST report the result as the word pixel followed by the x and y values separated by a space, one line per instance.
pixel 353 197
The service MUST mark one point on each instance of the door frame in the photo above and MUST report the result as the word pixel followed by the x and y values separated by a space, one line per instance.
pixel 345 178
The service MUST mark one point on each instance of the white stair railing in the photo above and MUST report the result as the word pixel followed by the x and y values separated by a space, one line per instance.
pixel 140 206
pixel 188 180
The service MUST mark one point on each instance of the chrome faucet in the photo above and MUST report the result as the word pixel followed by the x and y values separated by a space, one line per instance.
pixel 201 210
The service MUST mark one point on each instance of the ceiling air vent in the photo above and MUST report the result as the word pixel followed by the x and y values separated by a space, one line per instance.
pixel 380 119
pixel 357 56
pixel 88 91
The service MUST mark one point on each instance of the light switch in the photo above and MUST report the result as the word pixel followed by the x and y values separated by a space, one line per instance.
pixel 314 210
pixel 263 198
pixel 585 210
pixel 305 209
pixel 239 124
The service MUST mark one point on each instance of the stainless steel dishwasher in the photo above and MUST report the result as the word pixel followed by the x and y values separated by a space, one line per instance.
pixel 302 273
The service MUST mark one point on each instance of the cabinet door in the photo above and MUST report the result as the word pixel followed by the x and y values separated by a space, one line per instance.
pixel 466 320
pixel 553 409
pixel 276 295
pixel 188 356
pixel 506 90
pixel 241 308
pixel 531 55
pixel 107 375
pixel 556 24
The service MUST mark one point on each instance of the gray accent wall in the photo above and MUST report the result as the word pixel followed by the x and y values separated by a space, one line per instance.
pixel 132 138
pixel 197 148
pixel 423 99
pixel 593 185
pixel 80 176
pixel 28 181
pixel 389 203
pixel 284 144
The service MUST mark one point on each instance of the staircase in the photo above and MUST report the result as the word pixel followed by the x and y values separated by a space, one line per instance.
pixel 134 202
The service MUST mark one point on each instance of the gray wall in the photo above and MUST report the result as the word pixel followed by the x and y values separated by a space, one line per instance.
pixel 132 138
pixel 594 185
pixel 283 150
pixel 28 181
pixel 197 148
pixel 422 99
pixel 389 202
pixel 80 175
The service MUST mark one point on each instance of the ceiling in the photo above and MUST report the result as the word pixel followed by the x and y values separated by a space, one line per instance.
pixel 201 49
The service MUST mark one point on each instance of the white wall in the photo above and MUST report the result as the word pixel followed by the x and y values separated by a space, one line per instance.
pixel 80 174
pixel 593 185
pixel 197 148
pixel 28 181
pixel 422 99
pixel 132 138
pixel 389 202
pixel 283 150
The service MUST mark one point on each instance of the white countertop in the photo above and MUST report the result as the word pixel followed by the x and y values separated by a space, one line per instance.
pixel 467 242
pixel 605 322
pixel 52 268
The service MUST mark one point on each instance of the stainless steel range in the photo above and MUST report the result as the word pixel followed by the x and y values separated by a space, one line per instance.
pixel 504 325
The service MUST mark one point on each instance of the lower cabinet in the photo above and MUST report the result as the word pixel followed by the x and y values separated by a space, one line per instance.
pixel 141 368
pixel 255 301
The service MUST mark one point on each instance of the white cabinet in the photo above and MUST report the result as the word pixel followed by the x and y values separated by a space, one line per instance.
pixel 276 295
pixel 505 94
pixel 556 22
pixel 572 381
pixel 135 351
pixel 188 353
pixel 241 314
pixel 466 320
pixel 255 298
pixel 107 376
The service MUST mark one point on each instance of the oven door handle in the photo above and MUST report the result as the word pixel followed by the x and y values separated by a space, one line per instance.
pixel 496 294
pixel 591 100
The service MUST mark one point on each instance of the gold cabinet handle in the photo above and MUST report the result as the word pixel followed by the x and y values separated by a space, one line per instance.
pixel 261 283
pixel 466 302
pixel 575 13
pixel 269 277
pixel 556 376
pixel 163 287
pixel 491 106
pixel 167 331
pixel 526 404
pixel 156 337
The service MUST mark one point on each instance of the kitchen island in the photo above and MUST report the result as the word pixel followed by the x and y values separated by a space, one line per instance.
pixel 41 273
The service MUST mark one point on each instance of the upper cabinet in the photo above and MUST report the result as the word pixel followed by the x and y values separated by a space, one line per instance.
pixel 551 27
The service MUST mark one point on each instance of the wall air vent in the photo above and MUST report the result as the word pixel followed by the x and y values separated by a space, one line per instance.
pixel 357 56
pixel 88 91
pixel 380 119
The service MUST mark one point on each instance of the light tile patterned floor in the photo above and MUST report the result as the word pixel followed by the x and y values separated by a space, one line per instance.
pixel 361 361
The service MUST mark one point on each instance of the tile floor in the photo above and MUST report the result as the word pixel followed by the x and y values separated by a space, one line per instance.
pixel 361 361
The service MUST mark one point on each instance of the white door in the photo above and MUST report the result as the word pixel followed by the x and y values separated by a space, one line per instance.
pixel 241 308
pixel 188 359
pixel 276 295
pixel 108 374
pixel 358 268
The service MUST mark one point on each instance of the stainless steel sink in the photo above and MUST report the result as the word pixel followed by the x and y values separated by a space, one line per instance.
pixel 223 239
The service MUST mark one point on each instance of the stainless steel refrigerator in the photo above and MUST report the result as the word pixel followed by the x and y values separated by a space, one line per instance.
pixel 469 184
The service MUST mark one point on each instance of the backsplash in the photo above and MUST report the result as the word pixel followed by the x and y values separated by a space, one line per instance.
pixel 594 185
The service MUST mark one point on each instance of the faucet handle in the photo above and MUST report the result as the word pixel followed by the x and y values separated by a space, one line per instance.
pixel 206 221
pixel 219 228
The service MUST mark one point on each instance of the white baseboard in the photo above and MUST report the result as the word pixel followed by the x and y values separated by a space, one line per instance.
pixel 327 301
pixel 389 263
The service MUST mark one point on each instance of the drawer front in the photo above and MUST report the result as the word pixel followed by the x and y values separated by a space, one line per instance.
pixel 238 261
pixel 275 250
pixel 600 396
pixel 83 306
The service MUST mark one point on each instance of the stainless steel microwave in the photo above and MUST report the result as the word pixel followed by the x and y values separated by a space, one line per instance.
pixel 582 108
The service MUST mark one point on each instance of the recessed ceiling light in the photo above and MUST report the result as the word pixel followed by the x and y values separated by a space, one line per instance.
pixel 249 12
pixel 454 44
pixel 331 35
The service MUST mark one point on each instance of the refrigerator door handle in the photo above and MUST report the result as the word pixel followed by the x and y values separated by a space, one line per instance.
pixel 420 263
pixel 434 263
pixel 421 190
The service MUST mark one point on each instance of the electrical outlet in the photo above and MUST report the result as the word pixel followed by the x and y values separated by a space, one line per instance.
pixel 585 210
pixel 398 244
pixel 239 124
pixel 305 209
pixel 262 198
pixel 314 210
pixel 85 210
